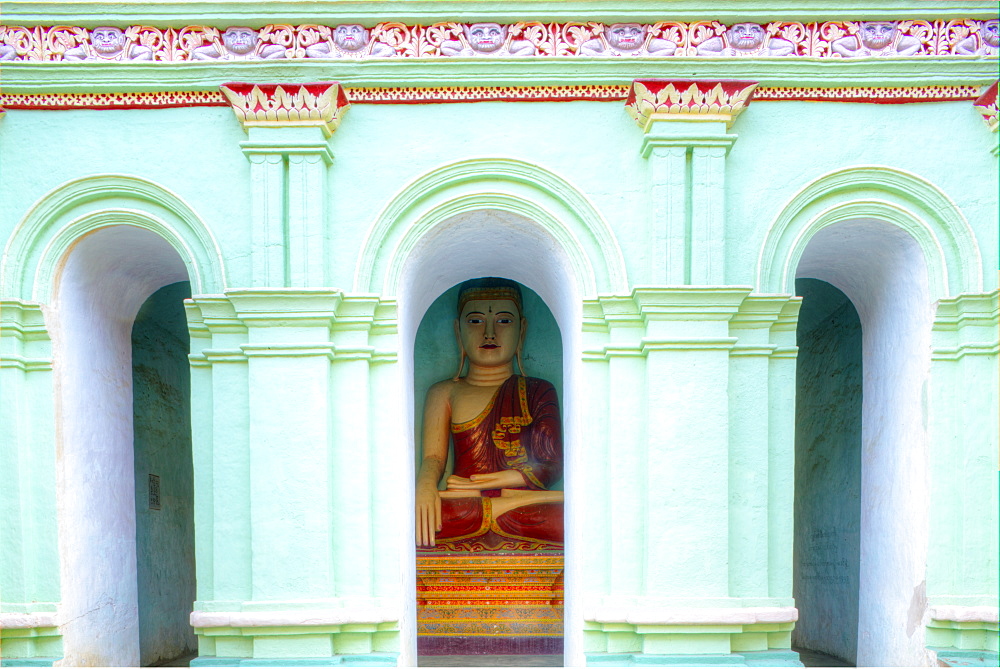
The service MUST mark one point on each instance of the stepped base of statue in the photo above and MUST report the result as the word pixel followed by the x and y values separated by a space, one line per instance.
pixel 489 602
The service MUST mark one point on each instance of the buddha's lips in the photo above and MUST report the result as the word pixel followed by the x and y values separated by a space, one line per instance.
pixel 490 346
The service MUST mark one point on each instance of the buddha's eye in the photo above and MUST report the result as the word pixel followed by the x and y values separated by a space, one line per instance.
pixel 505 321
pixel 474 320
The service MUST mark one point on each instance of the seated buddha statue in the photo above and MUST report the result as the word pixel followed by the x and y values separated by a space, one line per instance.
pixel 506 434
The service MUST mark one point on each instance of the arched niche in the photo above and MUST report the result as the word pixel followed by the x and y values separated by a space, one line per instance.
pixel 43 238
pixel 493 217
pixel 903 200
pixel 103 279
pixel 489 242
pixel 883 270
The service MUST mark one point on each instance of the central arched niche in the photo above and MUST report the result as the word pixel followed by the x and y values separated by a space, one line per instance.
pixel 490 242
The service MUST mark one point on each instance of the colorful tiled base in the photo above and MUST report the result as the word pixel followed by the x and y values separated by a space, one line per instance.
pixel 487 603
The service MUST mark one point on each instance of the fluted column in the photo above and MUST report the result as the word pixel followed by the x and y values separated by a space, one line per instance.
pixel 686 141
pixel 288 126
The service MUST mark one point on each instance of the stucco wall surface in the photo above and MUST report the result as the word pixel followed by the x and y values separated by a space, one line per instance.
pixel 161 400
pixel 379 149
pixel 827 471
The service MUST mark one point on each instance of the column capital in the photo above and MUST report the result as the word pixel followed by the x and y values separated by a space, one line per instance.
pixel 652 100
pixel 986 104
pixel 321 105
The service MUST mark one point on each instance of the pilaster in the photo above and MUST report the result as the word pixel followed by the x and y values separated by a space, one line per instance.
pixel 696 478
pixel 686 141
pixel 759 524
pixel 288 127
pixel 963 423
pixel 29 561
pixel 286 459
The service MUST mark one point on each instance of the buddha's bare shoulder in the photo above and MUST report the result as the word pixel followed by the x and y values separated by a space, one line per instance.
pixel 442 391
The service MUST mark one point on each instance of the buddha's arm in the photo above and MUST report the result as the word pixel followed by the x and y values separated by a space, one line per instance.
pixel 512 499
pixel 505 478
pixel 437 415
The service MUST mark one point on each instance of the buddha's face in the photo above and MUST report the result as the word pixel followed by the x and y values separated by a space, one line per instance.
pixel 490 331
pixel 746 36
pixel 877 34
pixel 625 36
pixel 990 32
pixel 485 37
pixel 240 41
pixel 350 36
pixel 107 41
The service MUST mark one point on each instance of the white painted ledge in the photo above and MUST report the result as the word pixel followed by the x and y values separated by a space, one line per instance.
pixel 23 621
pixel 695 616
pixel 966 614
pixel 314 618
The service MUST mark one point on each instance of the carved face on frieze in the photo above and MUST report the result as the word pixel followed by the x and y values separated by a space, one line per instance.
pixel 877 34
pixel 239 40
pixel 990 32
pixel 107 41
pixel 625 36
pixel 485 37
pixel 745 36
pixel 350 36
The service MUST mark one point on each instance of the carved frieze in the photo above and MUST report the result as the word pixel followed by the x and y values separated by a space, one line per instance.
pixel 276 105
pixel 588 39
pixel 650 99
pixel 987 106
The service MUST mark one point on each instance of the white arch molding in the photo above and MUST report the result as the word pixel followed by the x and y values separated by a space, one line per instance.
pixel 42 239
pixel 516 187
pixel 902 199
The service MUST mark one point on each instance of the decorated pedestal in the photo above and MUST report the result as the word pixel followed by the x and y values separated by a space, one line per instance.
pixel 489 603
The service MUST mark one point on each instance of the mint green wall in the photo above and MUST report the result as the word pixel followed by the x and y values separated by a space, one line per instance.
pixel 594 145
pixel 435 352
pixel 300 403
pixel 827 471
pixel 162 432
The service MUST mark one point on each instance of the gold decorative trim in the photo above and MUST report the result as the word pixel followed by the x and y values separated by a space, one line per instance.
pixel 459 94
pixel 282 105
pixel 660 39
pixel 652 99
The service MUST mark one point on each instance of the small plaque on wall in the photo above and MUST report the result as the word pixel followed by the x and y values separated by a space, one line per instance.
pixel 154 492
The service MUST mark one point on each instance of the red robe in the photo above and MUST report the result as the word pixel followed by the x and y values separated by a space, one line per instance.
pixel 519 429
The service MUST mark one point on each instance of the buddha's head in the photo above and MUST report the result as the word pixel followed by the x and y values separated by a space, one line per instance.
pixel 625 36
pixel 490 325
pixel 350 36
pixel 239 40
pixel 485 37
pixel 745 36
pixel 107 40
pixel 877 34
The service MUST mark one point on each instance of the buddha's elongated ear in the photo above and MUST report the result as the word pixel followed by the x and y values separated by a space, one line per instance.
pixel 520 345
pixel 461 353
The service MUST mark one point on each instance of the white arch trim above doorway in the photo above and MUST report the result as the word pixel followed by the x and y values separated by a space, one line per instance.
pixel 60 218
pixel 513 186
pixel 949 246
